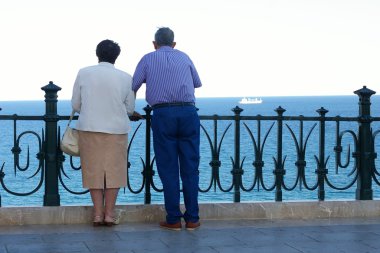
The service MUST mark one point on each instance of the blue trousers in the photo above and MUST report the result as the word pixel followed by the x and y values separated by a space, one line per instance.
pixel 176 138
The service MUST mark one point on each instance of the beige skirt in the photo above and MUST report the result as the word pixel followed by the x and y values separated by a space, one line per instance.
pixel 103 159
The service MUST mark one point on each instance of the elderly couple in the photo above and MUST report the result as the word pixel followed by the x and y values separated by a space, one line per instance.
pixel 104 97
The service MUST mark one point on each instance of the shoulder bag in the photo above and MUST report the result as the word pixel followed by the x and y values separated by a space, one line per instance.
pixel 70 140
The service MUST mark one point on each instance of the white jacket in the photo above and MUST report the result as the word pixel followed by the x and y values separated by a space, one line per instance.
pixel 103 97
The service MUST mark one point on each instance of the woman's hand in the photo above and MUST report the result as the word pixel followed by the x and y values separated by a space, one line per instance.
pixel 136 116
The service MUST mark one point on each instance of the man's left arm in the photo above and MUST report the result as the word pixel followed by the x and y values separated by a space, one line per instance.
pixel 139 77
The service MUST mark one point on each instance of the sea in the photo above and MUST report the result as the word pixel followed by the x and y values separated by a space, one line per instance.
pixel 24 180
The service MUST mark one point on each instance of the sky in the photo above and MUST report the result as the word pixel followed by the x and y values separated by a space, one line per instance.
pixel 250 48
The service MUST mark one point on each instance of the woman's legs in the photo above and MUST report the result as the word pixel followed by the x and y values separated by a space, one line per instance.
pixel 97 200
pixel 110 196
pixel 104 203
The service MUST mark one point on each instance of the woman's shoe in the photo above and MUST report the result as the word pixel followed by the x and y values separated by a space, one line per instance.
pixel 110 221
pixel 98 221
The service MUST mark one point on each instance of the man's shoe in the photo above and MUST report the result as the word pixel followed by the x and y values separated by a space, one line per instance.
pixel 192 225
pixel 175 226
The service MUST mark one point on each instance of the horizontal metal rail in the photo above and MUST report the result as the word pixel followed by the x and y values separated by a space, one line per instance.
pixel 352 148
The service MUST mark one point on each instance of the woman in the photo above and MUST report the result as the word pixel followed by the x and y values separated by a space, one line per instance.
pixel 103 97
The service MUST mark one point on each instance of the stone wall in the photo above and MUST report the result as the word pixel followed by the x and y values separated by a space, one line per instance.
pixel 208 211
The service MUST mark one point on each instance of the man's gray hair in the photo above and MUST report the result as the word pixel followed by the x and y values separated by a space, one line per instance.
pixel 164 36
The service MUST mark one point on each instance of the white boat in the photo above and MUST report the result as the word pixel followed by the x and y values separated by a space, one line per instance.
pixel 250 101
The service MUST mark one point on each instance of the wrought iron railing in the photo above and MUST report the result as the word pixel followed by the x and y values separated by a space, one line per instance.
pixel 51 162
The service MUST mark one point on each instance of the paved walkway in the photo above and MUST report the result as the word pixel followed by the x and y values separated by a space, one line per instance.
pixel 238 236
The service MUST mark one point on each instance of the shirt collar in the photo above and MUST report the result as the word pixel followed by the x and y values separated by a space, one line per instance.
pixel 103 63
pixel 166 48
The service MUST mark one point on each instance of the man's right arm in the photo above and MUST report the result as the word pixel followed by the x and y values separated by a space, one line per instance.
pixel 194 73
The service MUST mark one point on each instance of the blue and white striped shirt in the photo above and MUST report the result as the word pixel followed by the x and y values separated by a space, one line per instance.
pixel 169 74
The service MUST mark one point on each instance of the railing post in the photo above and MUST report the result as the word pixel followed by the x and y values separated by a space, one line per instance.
pixel 321 171
pixel 148 170
pixel 51 197
pixel 279 171
pixel 237 171
pixel 365 149
pixel 215 161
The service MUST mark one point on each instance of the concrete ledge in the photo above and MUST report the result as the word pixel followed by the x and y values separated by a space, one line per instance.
pixel 209 211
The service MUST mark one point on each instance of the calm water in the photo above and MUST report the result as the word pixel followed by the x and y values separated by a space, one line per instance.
pixel 20 182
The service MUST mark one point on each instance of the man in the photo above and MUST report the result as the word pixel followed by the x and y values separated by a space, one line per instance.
pixel 171 79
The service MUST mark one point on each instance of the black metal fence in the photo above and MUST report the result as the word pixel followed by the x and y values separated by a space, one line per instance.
pixel 362 155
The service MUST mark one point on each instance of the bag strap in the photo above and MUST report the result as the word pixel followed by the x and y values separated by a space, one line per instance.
pixel 71 117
